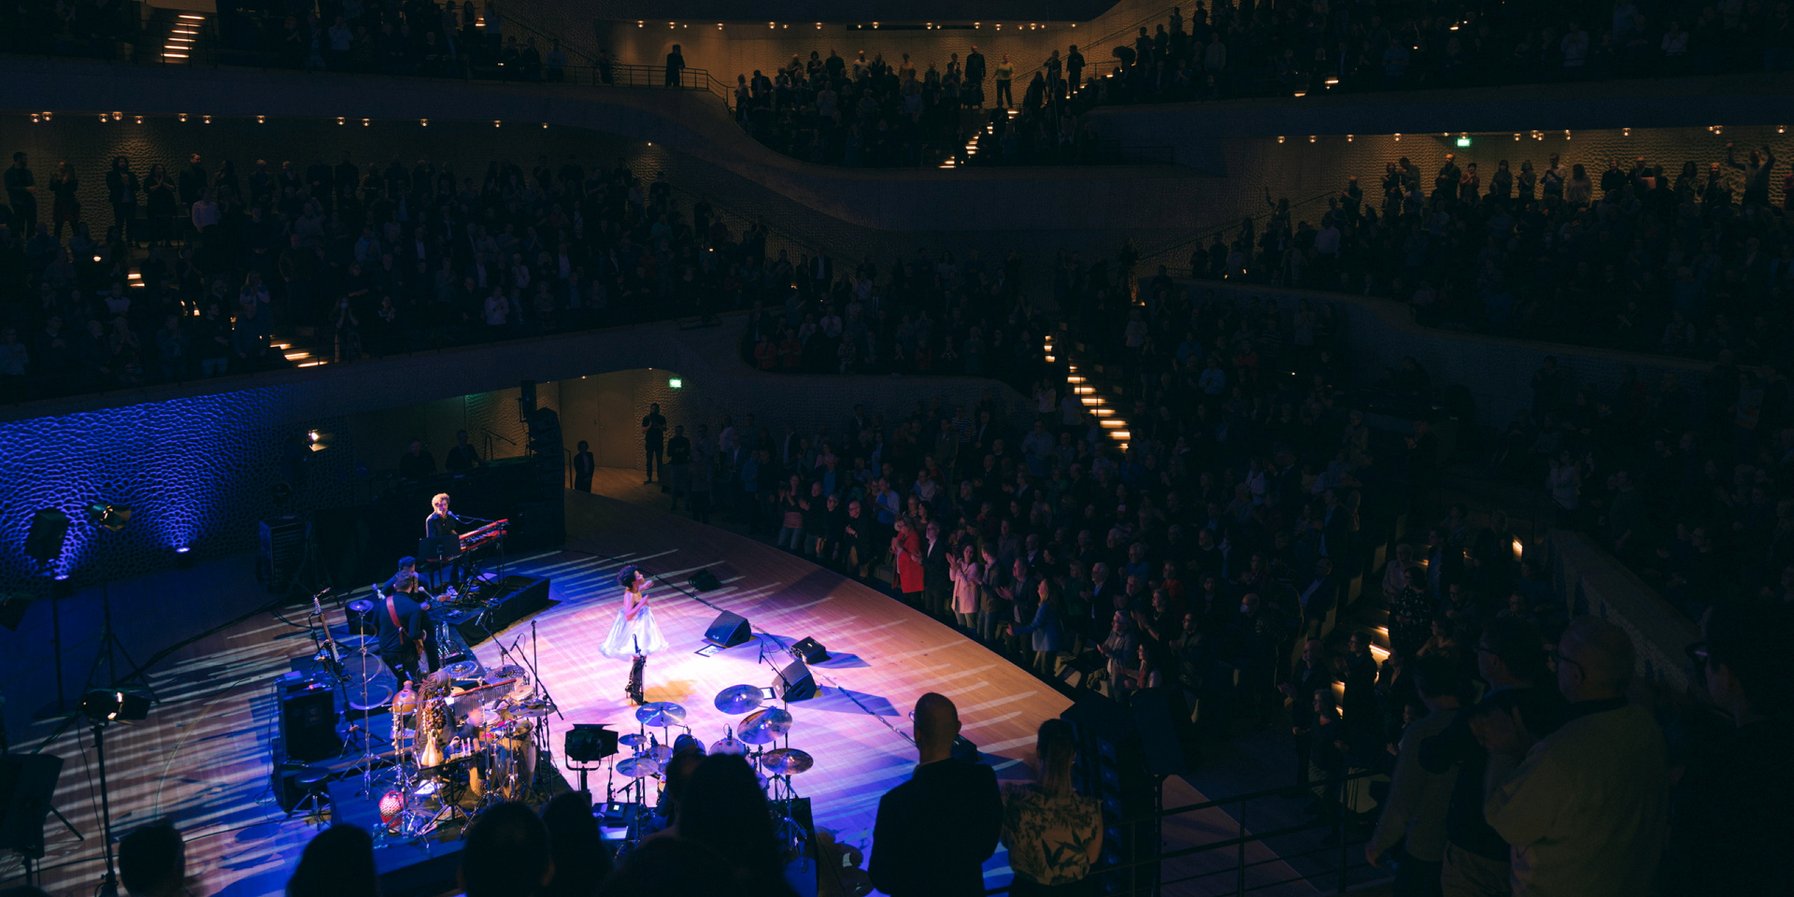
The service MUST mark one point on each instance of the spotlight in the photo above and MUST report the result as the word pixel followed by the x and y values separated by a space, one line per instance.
pixel 107 705
pixel 109 515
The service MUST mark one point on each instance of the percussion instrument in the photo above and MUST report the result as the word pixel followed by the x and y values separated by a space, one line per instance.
pixel 635 741
pixel 730 746
pixel 637 767
pixel 787 761
pixel 660 714
pixel 739 699
pixel 765 726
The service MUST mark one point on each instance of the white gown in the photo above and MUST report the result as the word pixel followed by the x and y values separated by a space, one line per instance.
pixel 631 637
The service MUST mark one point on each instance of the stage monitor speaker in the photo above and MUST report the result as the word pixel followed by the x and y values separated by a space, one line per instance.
pixel 809 650
pixel 728 630
pixel 794 682
pixel 49 528
pixel 280 549
pixel 704 581
pixel 27 782
pixel 308 724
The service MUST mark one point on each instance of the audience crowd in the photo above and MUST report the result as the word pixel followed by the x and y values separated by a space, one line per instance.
pixel 1698 263
pixel 369 258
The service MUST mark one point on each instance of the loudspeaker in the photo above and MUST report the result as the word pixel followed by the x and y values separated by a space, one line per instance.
pixel 794 682
pixel 809 650
pixel 27 781
pixel 49 528
pixel 308 724
pixel 728 631
pixel 704 581
pixel 280 548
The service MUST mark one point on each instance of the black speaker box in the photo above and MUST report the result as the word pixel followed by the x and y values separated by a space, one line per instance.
pixel 794 682
pixel 49 528
pixel 809 650
pixel 27 782
pixel 308 724
pixel 728 630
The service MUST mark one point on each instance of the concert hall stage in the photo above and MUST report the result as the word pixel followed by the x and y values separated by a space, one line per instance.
pixel 202 757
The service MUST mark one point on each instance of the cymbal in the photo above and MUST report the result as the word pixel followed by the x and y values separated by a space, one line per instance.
pixel 660 753
pixel 508 671
pixel 533 707
pixel 730 746
pixel 636 767
pixel 765 726
pixel 787 761
pixel 660 714
pixel 635 741
pixel 739 698
pixel 466 669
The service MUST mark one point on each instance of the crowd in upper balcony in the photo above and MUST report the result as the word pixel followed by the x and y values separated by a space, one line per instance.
pixel 197 266
pixel 1691 259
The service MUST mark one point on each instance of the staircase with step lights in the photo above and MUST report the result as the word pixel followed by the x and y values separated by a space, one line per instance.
pixel 183 33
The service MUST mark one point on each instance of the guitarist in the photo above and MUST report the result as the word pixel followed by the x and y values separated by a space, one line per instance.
pixel 404 626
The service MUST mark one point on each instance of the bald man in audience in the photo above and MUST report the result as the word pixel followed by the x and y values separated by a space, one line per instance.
pixel 935 831
pixel 1587 809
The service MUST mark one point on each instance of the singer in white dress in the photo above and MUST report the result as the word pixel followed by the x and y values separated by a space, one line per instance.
pixel 634 634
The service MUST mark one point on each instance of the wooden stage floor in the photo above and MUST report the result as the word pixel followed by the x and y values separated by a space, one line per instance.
pixel 203 756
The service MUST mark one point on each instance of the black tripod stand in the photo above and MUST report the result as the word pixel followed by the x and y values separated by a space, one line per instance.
pixel 109 881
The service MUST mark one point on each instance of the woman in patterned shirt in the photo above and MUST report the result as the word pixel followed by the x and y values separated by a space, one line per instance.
pixel 1053 834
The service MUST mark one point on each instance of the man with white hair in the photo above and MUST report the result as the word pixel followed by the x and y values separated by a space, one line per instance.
pixel 1587 810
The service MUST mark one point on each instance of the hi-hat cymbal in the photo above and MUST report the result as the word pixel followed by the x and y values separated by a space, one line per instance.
pixel 765 726
pixel 787 761
pixel 635 741
pixel 739 698
pixel 636 767
pixel 660 714
pixel 533 707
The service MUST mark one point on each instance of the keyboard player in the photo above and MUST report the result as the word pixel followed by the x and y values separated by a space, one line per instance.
pixel 442 538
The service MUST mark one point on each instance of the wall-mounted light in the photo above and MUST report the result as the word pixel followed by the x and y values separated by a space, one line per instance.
pixel 1279 138
pixel 366 122
pixel 47 117
pixel 137 119
pixel 182 117
pixel 423 122
pixel 340 121
pixel 497 123
pixel 261 119
pixel 1625 132
pixel 1398 137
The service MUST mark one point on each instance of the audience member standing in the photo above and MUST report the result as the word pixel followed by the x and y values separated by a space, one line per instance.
pixel 339 862
pixel 65 202
pixel 584 465
pixel 1587 809
pixel 122 188
pixel 934 832
pixel 1413 814
pixel 675 66
pixel 506 853
pixel 1510 658
pixel 1054 834
pixel 654 428
pixel 152 861
pixel 1004 74
pixel 21 194
pixel 1730 821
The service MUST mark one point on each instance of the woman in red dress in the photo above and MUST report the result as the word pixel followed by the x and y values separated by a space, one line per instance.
pixel 906 548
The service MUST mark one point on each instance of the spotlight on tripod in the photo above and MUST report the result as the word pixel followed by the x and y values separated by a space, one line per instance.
pixel 103 707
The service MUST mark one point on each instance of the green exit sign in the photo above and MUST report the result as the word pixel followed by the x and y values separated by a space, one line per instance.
pixel 675 383
pixel 1463 141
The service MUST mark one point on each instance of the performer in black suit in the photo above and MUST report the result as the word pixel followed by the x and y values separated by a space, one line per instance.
pixel 404 627
pixel 934 832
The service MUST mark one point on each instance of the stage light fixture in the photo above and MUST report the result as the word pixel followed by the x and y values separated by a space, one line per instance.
pixel 110 705
pixel 109 515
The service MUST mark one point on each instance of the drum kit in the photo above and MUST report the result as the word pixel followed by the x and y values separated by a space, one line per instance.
pixel 762 738
pixel 464 740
